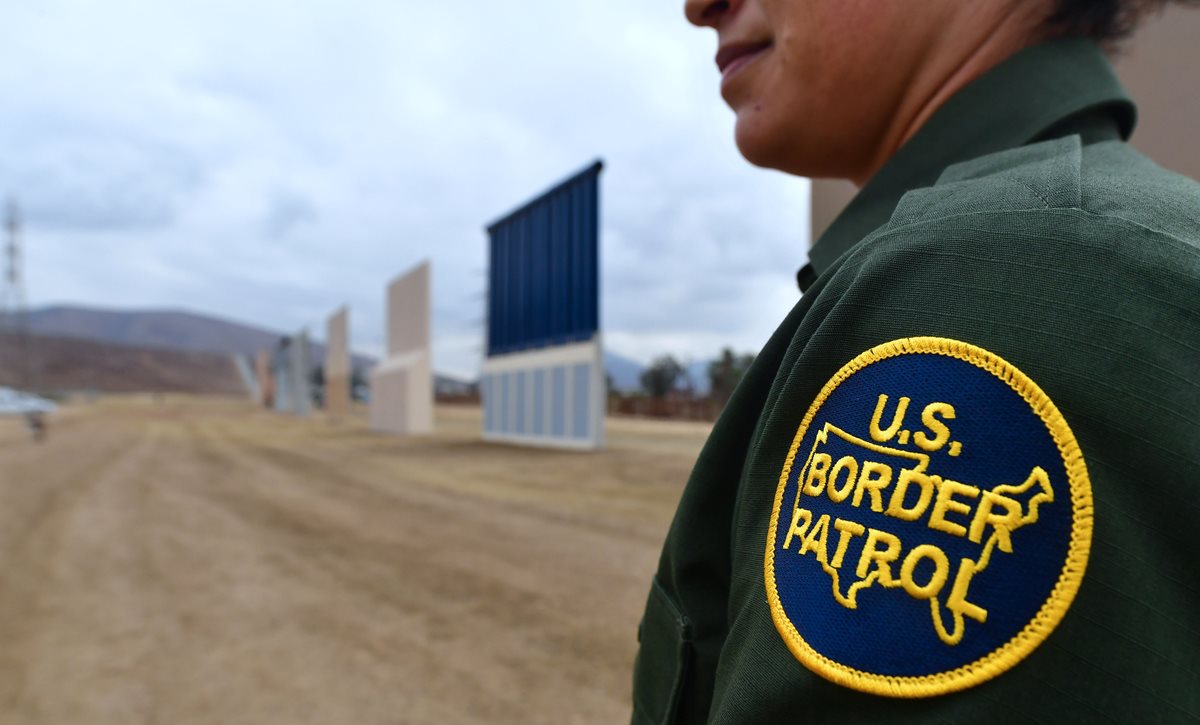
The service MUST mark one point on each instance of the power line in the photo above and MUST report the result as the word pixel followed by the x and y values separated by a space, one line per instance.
pixel 14 316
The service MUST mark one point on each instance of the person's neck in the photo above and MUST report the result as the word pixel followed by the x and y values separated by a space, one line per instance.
pixel 964 52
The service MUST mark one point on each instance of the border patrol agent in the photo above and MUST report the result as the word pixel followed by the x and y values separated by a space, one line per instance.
pixel 959 483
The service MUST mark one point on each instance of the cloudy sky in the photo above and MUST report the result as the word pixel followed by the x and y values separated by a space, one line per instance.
pixel 268 161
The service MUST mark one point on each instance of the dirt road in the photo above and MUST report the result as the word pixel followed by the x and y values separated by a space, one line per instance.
pixel 201 561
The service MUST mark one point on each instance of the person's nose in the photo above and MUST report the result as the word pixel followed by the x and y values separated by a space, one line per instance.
pixel 709 13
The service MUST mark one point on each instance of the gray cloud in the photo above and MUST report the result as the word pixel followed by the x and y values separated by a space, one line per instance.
pixel 270 161
pixel 285 212
pixel 95 179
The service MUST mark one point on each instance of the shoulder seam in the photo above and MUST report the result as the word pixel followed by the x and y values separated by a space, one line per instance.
pixel 886 231
pixel 1040 195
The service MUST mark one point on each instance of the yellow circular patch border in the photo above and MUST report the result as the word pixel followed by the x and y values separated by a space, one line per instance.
pixel 1061 596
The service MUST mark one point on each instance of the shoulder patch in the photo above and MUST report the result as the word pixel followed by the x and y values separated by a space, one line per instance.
pixel 932 522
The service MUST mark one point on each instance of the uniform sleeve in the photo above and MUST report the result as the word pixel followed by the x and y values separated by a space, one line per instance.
pixel 971 488
pixel 685 622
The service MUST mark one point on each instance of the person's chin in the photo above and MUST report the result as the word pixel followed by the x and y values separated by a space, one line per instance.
pixel 756 138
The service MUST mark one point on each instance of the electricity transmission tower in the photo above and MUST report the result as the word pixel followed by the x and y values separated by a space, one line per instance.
pixel 14 320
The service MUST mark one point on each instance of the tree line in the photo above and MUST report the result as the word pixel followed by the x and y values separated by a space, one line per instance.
pixel 666 375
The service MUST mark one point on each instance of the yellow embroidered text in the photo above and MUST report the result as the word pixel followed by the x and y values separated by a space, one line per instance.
pixel 896 483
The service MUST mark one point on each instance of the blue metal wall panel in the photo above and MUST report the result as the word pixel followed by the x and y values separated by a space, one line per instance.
pixel 544 276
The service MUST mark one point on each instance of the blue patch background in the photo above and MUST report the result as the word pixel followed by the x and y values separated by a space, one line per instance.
pixel 891 633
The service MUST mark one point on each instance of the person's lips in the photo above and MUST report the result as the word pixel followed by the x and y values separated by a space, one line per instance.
pixel 733 56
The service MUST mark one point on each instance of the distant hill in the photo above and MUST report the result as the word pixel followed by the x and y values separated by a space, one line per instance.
pixel 169 329
pixel 72 364
pixel 181 330
pixel 625 373
pixel 172 329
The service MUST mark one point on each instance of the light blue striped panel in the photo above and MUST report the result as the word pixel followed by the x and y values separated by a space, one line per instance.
pixel 539 402
pixel 502 409
pixel 581 399
pixel 558 402
pixel 489 403
pixel 522 401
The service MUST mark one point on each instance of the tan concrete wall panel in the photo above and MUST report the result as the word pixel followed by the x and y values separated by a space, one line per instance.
pixel 337 344
pixel 266 381
pixel 337 395
pixel 402 385
pixel 408 311
pixel 337 363
pixel 402 396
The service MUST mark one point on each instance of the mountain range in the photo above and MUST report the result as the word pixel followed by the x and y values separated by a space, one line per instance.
pixel 194 332
pixel 169 329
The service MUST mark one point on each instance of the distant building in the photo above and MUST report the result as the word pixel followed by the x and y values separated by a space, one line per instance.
pixel 291 370
pixel 1154 68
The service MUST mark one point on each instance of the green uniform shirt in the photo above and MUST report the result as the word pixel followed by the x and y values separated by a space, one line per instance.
pixel 1028 285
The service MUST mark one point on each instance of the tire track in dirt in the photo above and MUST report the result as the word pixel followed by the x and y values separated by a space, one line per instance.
pixel 68 653
pixel 205 562
pixel 480 593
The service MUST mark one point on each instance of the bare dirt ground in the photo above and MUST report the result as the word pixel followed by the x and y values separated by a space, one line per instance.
pixel 201 561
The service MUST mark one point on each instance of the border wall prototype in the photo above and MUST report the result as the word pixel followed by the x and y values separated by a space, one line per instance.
pixel 291 368
pixel 245 367
pixel 402 385
pixel 266 381
pixel 337 363
pixel 543 378
pixel 281 372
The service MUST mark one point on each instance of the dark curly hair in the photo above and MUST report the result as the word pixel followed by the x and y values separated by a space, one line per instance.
pixel 1106 21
